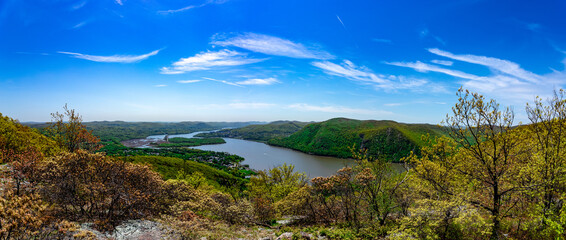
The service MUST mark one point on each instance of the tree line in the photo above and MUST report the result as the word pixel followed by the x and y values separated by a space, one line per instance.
pixel 487 178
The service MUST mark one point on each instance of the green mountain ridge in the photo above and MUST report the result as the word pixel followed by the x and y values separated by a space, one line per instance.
pixel 259 132
pixel 119 130
pixel 383 139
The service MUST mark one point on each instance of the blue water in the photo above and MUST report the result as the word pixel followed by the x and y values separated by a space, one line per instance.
pixel 261 156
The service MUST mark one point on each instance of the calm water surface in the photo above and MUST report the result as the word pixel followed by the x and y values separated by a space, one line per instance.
pixel 261 156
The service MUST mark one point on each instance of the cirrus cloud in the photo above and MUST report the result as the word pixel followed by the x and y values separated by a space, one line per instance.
pixel 208 60
pixel 424 67
pixel 259 81
pixel 364 75
pixel 208 2
pixel 496 64
pixel 443 62
pixel 507 80
pixel 188 81
pixel 271 45
pixel 113 58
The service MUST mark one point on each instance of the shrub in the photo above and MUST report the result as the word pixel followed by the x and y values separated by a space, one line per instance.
pixel 87 186
pixel 271 186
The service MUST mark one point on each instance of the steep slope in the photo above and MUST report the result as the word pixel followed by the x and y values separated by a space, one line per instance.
pixel 169 168
pixel 17 138
pixel 259 132
pixel 382 139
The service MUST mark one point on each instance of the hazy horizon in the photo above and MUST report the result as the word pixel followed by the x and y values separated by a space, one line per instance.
pixel 252 60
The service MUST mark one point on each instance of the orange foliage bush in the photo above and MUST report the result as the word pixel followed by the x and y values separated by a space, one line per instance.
pixel 25 215
pixel 87 186
pixel 186 203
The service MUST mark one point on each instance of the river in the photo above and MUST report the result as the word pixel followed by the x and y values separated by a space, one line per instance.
pixel 261 156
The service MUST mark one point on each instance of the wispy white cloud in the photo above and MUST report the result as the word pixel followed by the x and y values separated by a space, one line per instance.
pixel 189 81
pixel 259 81
pixel 178 10
pixel 507 80
pixel 495 64
pixel 349 70
pixel 78 6
pixel 113 58
pixel 364 75
pixel 424 67
pixel 424 33
pixel 443 62
pixel 160 85
pixel 271 45
pixel 192 6
pixel 217 1
pixel 208 60
pixel 531 26
pixel 419 85
pixel 34 53
pixel 119 2
pixel 340 20
pixel 79 25
pixel 223 81
pixel 393 104
pixel 336 109
pixel 440 40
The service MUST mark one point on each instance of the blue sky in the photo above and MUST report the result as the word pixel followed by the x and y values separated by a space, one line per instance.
pixel 243 60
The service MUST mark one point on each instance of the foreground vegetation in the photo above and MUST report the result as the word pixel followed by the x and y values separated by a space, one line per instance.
pixel 486 178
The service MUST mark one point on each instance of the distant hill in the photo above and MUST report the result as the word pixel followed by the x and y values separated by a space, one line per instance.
pixel 259 132
pixel 383 139
pixel 120 131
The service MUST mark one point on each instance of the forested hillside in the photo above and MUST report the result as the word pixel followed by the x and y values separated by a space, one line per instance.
pixel 15 137
pixel 387 140
pixel 119 131
pixel 259 132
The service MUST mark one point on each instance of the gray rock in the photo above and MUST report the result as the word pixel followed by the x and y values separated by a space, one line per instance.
pixel 307 236
pixel 284 221
pixel 130 230
pixel 287 235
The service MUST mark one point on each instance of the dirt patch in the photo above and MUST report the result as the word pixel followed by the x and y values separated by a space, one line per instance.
pixel 142 142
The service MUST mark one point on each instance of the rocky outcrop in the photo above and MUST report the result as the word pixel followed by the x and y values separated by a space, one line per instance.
pixel 131 230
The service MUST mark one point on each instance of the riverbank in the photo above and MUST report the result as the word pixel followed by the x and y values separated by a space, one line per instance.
pixel 142 142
